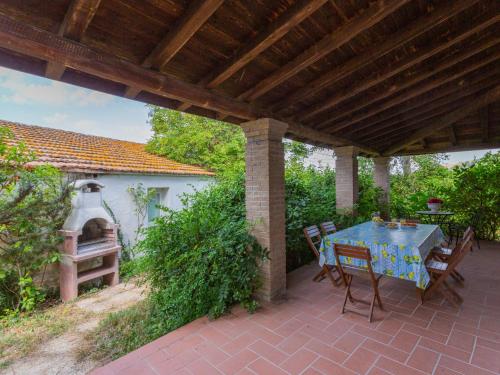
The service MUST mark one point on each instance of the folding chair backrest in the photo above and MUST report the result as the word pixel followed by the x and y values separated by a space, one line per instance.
pixel 353 252
pixel 313 237
pixel 458 255
pixel 464 248
pixel 469 233
pixel 328 227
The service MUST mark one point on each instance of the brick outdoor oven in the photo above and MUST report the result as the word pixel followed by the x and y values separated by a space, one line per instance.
pixel 89 233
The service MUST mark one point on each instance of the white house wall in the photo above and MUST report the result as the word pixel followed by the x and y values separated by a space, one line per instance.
pixel 119 199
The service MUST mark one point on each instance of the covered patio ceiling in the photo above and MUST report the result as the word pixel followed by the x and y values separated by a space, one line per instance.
pixel 390 77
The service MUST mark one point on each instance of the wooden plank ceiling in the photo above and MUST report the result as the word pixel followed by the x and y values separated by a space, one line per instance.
pixel 391 77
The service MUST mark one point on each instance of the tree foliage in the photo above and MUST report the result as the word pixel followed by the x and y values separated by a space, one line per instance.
pixel 196 140
pixel 34 201
pixel 476 190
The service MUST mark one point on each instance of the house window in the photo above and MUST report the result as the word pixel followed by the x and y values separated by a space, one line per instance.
pixel 159 198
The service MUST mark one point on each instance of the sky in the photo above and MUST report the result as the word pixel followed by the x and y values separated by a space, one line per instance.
pixel 39 101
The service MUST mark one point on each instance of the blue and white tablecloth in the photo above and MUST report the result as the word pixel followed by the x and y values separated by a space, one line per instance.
pixel 397 252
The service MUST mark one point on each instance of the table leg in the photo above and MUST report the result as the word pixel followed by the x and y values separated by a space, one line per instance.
pixel 420 295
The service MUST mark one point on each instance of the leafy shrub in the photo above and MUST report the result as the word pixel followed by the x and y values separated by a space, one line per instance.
pixel 201 260
pixel 310 199
pixel 476 190
pixel 424 178
pixel 467 190
pixel 34 202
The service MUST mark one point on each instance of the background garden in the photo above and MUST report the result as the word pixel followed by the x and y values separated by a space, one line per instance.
pixel 202 260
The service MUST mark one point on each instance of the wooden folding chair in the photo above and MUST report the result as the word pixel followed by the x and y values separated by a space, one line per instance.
pixel 328 227
pixel 440 271
pixel 443 254
pixel 347 271
pixel 313 237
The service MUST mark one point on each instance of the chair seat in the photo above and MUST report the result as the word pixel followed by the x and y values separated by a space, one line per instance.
pixel 442 251
pixel 434 265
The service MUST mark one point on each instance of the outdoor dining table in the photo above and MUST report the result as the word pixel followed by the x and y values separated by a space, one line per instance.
pixel 399 252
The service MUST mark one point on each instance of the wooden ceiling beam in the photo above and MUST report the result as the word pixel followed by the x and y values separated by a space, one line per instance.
pixel 304 132
pixel 391 71
pixel 195 16
pixel 75 23
pixel 40 44
pixel 465 145
pixel 389 44
pixel 428 102
pixel 450 118
pixel 330 42
pixel 198 12
pixel 263 40
pixel 416 84
pixel 453 135
pixel 388 134
pixel 338 10
pixel 484 117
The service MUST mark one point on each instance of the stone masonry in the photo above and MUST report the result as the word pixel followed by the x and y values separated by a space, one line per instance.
pixel 381 176
pixel 346 178
pixel 265 199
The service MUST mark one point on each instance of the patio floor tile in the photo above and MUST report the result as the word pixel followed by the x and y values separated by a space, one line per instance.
pixel 268 351
pixel 361 360
pixel 423 359
pixel 299 361
pixel 349 342
pixel 293 343
pixel 306 334
pixel 405 341
pixel 237 362
pixel 328 367
pixel 486 358
pixel 262 366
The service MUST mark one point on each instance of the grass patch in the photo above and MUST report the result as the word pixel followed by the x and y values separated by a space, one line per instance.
pixel 119 333
pixel 21 335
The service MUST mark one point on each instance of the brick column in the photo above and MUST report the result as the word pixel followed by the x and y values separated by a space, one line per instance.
pixel 265 198
pixel 381 177
pixel 346 178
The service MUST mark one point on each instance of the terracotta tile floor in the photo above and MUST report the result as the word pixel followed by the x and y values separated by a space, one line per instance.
pixel 306 334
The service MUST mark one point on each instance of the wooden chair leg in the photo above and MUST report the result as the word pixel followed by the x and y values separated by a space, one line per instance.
pixel 458 278
pixel 420 295
pixel 379 300
pixel 347 293
pixel 372 304
pixel 459 275
pixel 330 276
pixel 452 291
pixel 319 276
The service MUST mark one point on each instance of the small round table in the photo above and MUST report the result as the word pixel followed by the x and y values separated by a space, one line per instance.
pixel 438 218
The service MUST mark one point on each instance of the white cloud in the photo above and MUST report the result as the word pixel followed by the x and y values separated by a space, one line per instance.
pixel 56 120
pixel 20 88
pixel 129 132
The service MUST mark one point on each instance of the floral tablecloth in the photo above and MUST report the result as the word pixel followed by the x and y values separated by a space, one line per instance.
pixel 397 252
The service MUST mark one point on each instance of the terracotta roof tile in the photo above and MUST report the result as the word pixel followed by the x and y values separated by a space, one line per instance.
pixel 73 152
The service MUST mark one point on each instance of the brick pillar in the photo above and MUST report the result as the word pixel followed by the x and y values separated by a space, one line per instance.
pixel 381 177
pixel 265 198
pixel 346 178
